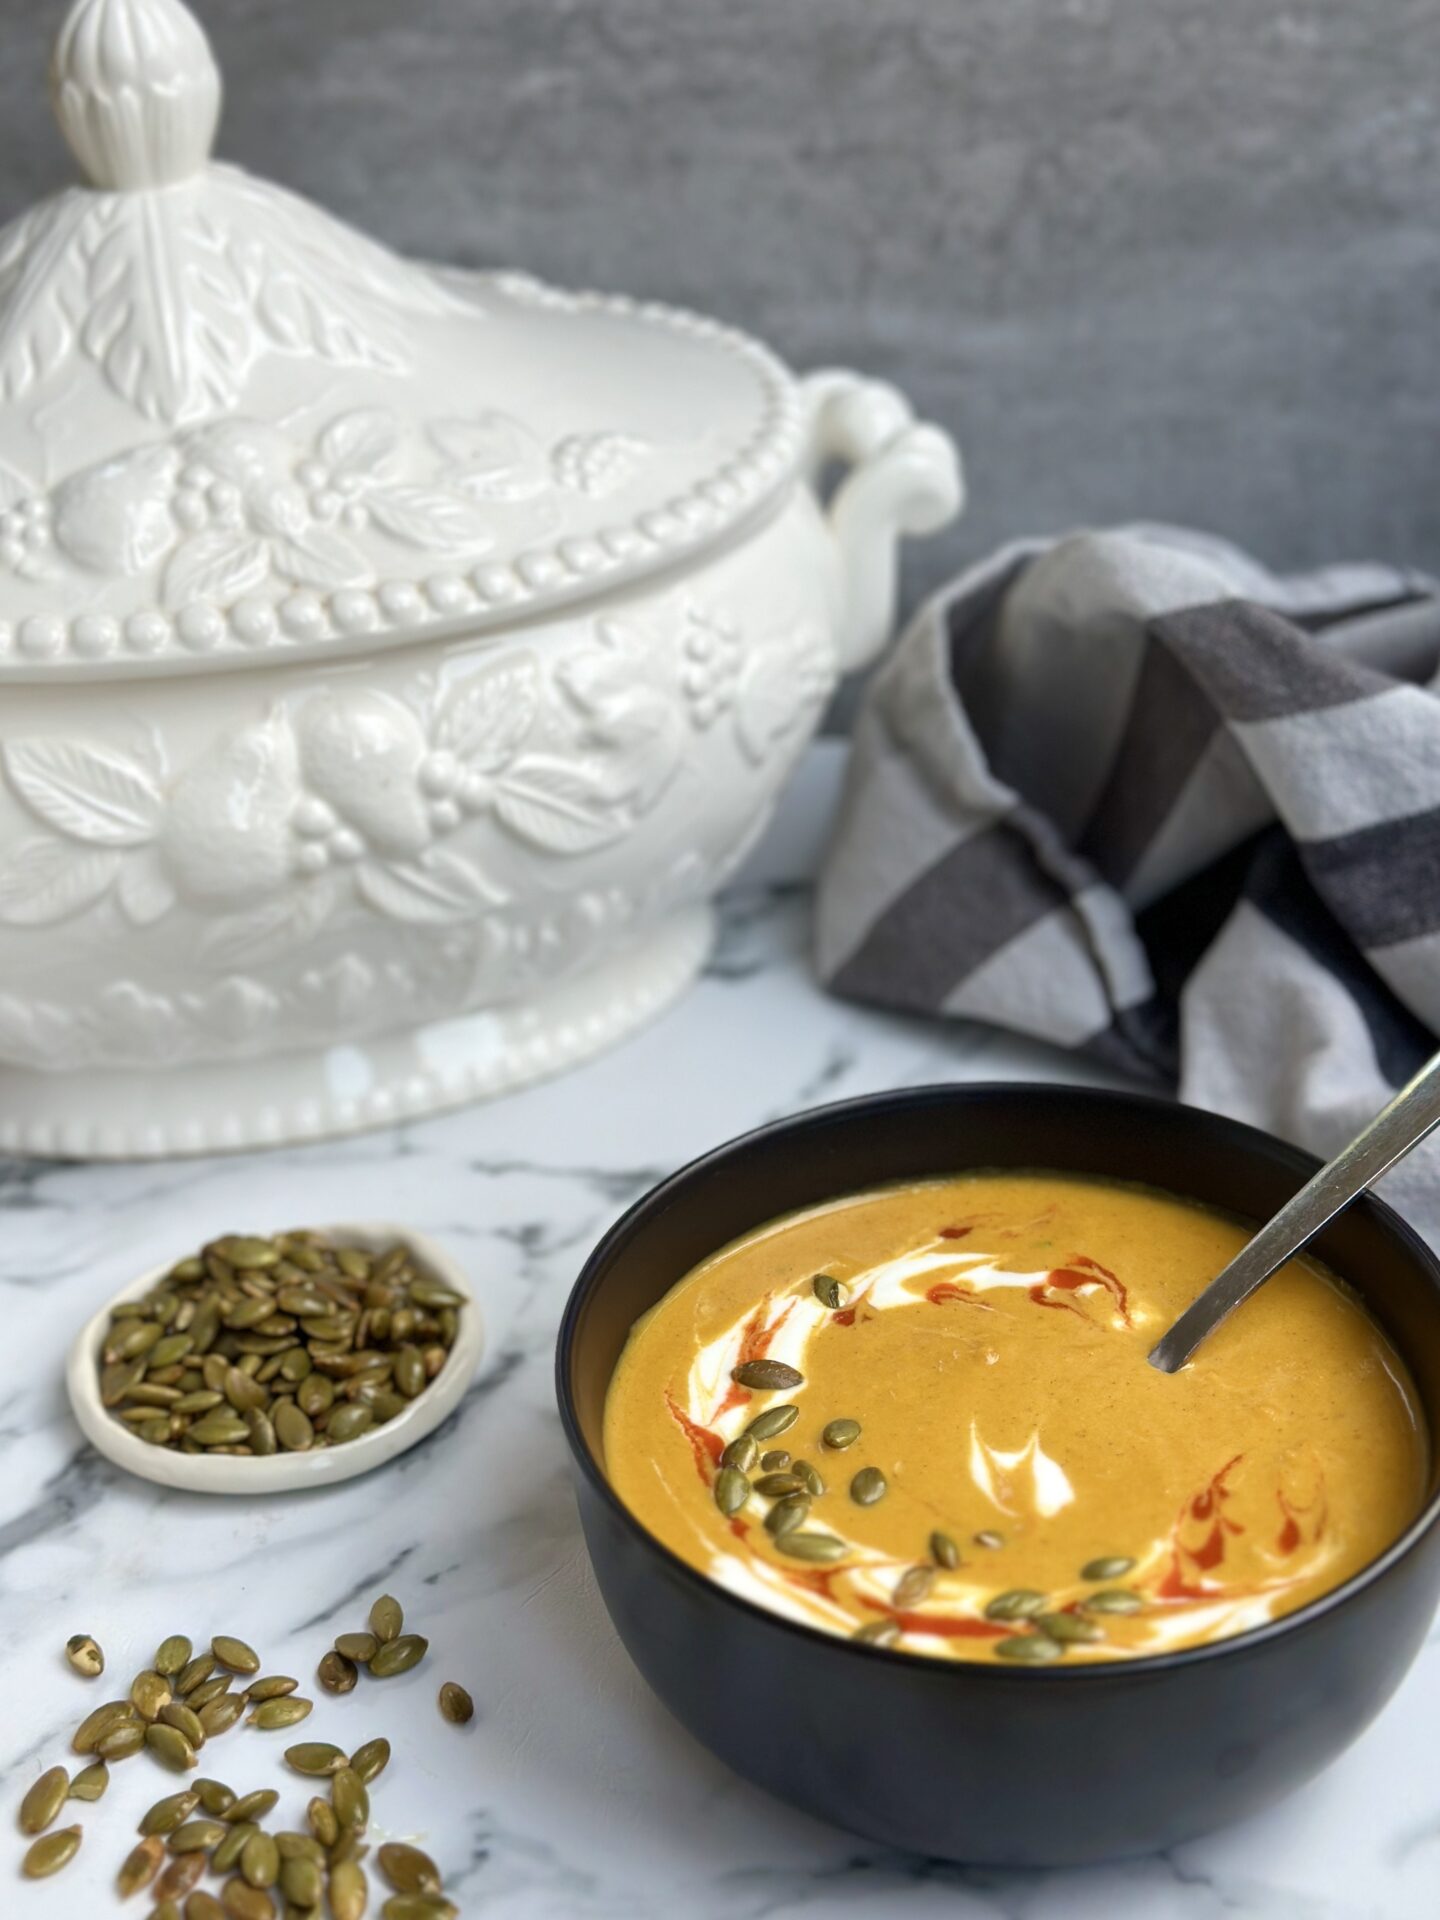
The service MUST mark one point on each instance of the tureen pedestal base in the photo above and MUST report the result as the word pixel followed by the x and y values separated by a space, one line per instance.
pixel 334 1090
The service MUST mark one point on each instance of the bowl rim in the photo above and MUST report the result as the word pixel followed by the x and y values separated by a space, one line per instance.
pixel 281 1472
pixel 1238 1133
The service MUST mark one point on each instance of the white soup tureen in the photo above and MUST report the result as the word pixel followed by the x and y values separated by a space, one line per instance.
pixel 393 661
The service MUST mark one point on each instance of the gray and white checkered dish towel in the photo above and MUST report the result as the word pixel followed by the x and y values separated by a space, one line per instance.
pixel 1132 794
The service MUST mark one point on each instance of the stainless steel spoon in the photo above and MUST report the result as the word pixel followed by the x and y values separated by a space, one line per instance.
pixel 1410 1116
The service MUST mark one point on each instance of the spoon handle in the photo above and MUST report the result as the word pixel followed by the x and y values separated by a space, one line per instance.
pixel 1412 1114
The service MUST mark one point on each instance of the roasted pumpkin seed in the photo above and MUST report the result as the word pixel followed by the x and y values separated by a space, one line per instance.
pixel 1030 1649
pixel 419 1906
pixel 829 1292
pixel 176 1714
pixel 913 1585
pixel 272 1687
pixel 194 1674
pixel 399 1655
pixel 1113 1600
pixel 349 1892
pixel 201 1905
pixel 260 1860
pixel 350 1800
pixel 51 1852
pixel 1111 1566
pixel 44 1799
pixel 288 1712
pixel 221 1713
pixel 169 1813
pixel 987 1537
pixel 732 1490
pixel 215 1797
pixel 868 1486
pixel 456 1706
pixel 93 1728
pixel 208 1690
pixel 170 1747
pixel 82 1650
pixel 316 1757
pixel 387 1618
pixel 90 1783
pixel 241 1901
pixel 742 1452
pixel 300 1846
pixel 149 1692
pixel 774 1421
pixel 776 1461
pixel 839 1434
pixel 227 1854
pixel 235 1654
pixel 371 1759
pixel 336 1674
pixel 254 1806
pixel 766 1376
pixel 1016 1603
pixel 808 1477
pixel 788 1514
pixel 408 1869
pixel 943 1551
pixel 198 1836
pixel 812 1546
pixel 173 1655
pixel 300 1881
pixel 359 1647
pixel 122 1741
pixel 1068 1628
pixel 775 1486
pixel 323 1823
pixel 877 1633
pixel 140 1866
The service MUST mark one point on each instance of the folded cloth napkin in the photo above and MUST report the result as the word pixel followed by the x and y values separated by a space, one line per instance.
pixel 1132 794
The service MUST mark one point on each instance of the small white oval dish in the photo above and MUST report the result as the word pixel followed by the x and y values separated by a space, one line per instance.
pixel 282 1472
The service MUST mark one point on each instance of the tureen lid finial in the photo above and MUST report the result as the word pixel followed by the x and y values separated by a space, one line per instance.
pixel 136 92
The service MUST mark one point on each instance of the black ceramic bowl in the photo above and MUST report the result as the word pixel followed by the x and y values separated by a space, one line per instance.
pixel 984 1763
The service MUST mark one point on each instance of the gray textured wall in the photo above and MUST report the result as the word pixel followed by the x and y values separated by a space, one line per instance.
pixel 1170 257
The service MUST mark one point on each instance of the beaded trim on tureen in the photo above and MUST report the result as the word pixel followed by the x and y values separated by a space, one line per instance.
pixel 158 292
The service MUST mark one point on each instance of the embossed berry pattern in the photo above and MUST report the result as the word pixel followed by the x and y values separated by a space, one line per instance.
pixel 230 507
pixel 361 800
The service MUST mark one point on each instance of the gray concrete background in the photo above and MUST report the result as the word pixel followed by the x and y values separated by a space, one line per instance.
pixel 1175 258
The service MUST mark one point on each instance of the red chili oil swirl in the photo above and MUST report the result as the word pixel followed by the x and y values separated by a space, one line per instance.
pixel 755 1344
pixel 944 1290
pixel 1081 1271
pixel 1203 1509
pixel 706 1446
pixel 1292 1533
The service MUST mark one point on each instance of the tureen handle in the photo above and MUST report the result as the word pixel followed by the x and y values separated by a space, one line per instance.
pixel 136 92
pixel 903 478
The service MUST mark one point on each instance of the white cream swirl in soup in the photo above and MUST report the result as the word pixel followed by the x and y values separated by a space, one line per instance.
pixel 923 1415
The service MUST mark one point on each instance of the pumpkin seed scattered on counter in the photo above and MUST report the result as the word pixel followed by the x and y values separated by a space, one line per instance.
pixel 456 1706
pixel 206 1828
pixel 43 1802
pixel 82 1650
pixel 283 1344
pixel 51 1852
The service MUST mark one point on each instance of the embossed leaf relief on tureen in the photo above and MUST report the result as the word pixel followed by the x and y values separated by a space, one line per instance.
pixel 342 442
pixel 358 796
pixel 224 509
pixel 356 803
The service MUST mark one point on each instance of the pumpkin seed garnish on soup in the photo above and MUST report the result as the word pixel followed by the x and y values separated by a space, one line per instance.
pixel 995 1392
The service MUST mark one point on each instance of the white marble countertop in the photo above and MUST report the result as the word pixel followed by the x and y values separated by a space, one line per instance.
pixel 572 1793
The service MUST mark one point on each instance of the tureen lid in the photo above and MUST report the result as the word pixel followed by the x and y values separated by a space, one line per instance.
pixel 231 423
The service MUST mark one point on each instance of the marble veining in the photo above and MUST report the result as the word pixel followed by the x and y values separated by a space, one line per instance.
pixel 572 1793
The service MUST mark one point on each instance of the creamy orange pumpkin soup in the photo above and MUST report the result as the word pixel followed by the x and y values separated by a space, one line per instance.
pixel 923 1416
